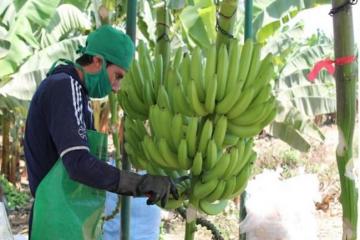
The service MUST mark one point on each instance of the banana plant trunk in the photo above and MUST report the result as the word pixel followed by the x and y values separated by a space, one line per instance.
pixel 346 78
pixel 225 21
pixel 6 122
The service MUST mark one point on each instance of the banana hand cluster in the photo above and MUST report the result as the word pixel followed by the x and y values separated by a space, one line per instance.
pixel 198 117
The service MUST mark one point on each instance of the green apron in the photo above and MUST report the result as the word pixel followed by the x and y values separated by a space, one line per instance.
pixel 66 209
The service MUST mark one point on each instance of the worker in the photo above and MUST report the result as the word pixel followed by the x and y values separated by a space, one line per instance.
pixel 65 156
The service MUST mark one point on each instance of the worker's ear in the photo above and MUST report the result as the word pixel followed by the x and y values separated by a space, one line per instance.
pixel 97 61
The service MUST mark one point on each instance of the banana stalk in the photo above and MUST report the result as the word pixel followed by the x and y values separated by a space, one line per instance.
pixel 190 227
pixel 162 35
pixel 346 78
pixel 225 21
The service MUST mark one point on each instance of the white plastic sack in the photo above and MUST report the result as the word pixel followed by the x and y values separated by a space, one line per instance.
pixel 281 210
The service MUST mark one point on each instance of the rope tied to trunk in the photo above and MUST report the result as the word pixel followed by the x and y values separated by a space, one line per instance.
pixel 220 29
pixel 342 7
pixel 164 35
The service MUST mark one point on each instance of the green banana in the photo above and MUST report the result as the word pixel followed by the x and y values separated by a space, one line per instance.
pixel 191 133
pixel 136 78
pixel 173 203
pixel 165 119
pixel 212 208
pixel 149 93
pixel 168 155
pixel 242 179
pixel 152 150
pixel 196 73
pixel 254 65
pixel 210 66
pixel 201 190
pixel 230 140
pixel 234 56
pixel 181 103
pixel 234 156
pixel 184 161
pixel 177 129
pixel 211 94
pixel 269 118
pixel 218 191
pixel 220 131
pixel 198 107
pixel 218 171
pixel 197 164
pixel 173 79
pixel 129 110
pixel 184 70
pixel 251 116
pixel 244 158
pixel 263 95
pixel 145 62
pixel 244 131
pixel 205 136
pixel 222 70
pixel 270 106
pixel 178 58
pixel 211 155
pixel 241 104
pixel 266 73
pixel 225 105
pixel 229 188
pixel 154 113
pixel 163 98
pixel 245 61
pixel 159 70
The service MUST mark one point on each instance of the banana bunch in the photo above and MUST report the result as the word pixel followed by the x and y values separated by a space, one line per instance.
pixel 198 117
pixel 141 83
pixel 226 179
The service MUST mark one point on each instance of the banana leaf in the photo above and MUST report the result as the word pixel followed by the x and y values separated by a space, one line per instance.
pixel 198 23
pixel 67 19
pixel 274 10
pixel 4 47
pixel 23 84
pixel 295 128
pixel 289 135
pixel 81 4
pixel 147 22
pixel 13 104
pixel 176 4
pixel 30 14
pixel 314 106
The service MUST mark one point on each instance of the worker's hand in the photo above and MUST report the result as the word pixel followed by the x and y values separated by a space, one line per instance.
pixel 157 188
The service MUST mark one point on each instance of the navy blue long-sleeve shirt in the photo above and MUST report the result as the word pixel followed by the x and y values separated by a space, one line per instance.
pixel 56 124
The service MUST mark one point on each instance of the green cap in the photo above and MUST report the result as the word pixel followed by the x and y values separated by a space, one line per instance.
pixel 112 44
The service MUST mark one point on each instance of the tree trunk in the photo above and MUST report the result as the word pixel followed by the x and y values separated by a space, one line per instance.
pixel 346 79
pixel 5 164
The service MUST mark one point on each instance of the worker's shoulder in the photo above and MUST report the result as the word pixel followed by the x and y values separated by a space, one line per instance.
pixel 59 81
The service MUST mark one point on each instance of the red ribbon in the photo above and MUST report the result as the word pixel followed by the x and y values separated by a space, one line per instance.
pixel 329 65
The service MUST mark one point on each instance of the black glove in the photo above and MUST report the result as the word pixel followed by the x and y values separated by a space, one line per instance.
pixel 155 187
